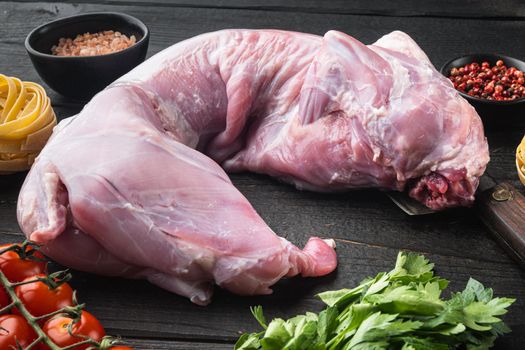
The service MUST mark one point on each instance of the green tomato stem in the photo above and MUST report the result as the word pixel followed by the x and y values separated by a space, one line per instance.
pixel 33 321
pixel 6 308
pixel 34 343
pixel 10 288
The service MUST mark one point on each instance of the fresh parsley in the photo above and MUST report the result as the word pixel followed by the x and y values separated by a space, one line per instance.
pixel 399 310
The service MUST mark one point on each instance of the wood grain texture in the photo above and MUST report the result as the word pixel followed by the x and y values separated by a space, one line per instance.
pixel 137 309
pixel 502 210
pixel 150 344
pixel 368 228
pixel 369 231
pixel 407 8
pixel 441 38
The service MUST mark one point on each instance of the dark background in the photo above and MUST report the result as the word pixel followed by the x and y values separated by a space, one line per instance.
pixel 368 228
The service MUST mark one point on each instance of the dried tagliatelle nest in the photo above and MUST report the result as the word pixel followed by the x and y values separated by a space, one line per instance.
pixel 520 160
pixel 26 123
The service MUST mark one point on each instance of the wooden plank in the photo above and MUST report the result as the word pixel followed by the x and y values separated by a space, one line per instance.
pixel 368 228
pixel 450 37
pixel 343 216
pixel 137 309
pixel 503 145
pixel 143 344
pixel 363 217
pixel 408 8
pixel 151 344
pixel 441 38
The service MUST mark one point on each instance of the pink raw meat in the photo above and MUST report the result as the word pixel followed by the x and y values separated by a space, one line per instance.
pixel 132 185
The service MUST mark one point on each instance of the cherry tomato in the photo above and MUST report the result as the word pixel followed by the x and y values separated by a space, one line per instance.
pixel 13 329
pixel 4 298
pixel 40 300
pixel 56 330
pixel 17 269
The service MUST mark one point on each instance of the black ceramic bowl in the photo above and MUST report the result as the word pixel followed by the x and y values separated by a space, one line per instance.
pixel 83 77
pixel 493 113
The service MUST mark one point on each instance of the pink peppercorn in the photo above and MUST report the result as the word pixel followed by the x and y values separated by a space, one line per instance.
pixel 496 82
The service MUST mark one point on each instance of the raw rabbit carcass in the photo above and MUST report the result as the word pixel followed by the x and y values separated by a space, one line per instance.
pixel 133 185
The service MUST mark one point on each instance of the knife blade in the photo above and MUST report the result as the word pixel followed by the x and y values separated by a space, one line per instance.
pixel 500 207
pixel 408 204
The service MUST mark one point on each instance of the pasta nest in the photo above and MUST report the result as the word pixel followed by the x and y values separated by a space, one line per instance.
pixel 26 123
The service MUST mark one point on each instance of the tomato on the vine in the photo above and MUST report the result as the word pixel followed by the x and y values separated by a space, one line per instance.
pixel 4 297
pixel 15 329
pixel 17 269
pixel 57 330
pixel 40 300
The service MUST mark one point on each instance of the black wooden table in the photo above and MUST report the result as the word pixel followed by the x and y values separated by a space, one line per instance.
pixel 368 228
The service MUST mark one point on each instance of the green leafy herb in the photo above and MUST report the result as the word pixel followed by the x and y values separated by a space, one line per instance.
pixel 399 310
